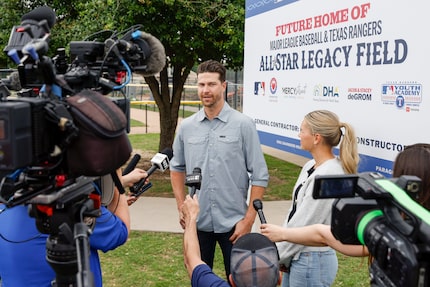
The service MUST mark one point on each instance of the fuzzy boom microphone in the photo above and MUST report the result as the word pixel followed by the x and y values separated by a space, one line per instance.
pixel 154 52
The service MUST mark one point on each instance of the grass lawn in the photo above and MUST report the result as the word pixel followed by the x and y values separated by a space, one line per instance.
pixel 154 259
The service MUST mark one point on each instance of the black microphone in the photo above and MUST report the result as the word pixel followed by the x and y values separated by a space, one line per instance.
pixel 258 205
pixel 194 180
pixel 131 165
pixel 39 14
pixel 159 161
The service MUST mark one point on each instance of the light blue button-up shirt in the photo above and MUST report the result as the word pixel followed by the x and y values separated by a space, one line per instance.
pixel 228 152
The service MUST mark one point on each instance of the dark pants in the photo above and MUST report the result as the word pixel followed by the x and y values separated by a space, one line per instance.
pixel 208 242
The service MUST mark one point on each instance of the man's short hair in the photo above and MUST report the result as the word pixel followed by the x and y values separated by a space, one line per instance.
pixel 254 261
pixel 212 66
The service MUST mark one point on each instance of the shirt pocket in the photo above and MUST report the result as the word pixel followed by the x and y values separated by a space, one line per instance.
pixel 197 147
pixel 229 146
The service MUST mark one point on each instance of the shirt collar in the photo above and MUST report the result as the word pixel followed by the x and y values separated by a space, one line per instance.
pixel 223 115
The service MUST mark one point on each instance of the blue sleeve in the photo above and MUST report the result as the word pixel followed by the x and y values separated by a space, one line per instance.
pixel 109 232
pixel 22 251
pixel 204 277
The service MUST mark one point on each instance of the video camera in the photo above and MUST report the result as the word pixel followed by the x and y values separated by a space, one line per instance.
pixel 36 127
pixel 381 214
pixel 44 129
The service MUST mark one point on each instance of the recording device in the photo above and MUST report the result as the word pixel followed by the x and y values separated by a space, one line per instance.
pixel 160 161
pixel 194 180
pixel 38 128
pixel 258 206
pixel 29 124
pixel 381 214
pixel 103 61
pixel 107 183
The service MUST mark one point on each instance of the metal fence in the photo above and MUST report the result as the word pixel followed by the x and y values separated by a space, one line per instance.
pixel 138 90
pixel 142 93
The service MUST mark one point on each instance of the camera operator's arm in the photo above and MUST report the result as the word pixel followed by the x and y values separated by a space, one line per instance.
pixel 131 178
pixel 311 235
pixel 119 205
pixel 134 176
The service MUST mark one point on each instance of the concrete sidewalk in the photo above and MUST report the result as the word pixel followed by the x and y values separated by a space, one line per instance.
pixel 151 120
pixel 160 214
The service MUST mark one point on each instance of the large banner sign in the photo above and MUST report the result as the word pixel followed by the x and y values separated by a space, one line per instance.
pixel 364 60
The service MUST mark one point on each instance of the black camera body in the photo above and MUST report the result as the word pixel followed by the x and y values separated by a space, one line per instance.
pixel 37 125
pixel 381 214
pixel 32 124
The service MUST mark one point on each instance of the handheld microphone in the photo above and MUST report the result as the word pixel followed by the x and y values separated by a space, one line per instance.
pixel 131 165
pixel 194 180
pixel 258 205
pixel 159 161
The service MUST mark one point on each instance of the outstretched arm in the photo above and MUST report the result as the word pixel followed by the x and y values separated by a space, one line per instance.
pixel 311 235
pixel 190 211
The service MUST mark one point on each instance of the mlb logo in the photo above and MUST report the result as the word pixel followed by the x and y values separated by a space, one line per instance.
pixel 259 88
pixel 387 89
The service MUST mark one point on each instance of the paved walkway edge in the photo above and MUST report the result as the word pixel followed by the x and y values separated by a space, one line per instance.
pixel 161 215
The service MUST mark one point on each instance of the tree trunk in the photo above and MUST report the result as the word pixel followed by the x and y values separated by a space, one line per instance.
pixel 168 104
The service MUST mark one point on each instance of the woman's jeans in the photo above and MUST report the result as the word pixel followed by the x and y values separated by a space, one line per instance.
pixel 316 269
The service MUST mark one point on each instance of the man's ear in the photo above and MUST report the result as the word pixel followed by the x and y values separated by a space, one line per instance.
pixel 230 278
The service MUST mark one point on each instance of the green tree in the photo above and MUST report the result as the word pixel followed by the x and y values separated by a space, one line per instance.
pixel 11 12
pixel 190 31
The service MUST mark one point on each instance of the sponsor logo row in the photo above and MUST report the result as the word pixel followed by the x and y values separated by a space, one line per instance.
pixel 406 96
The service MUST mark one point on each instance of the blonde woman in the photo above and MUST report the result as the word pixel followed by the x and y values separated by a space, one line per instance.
pixel 320 132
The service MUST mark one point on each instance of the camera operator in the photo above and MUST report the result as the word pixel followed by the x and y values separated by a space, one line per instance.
pixel 413 160
pixel 23 247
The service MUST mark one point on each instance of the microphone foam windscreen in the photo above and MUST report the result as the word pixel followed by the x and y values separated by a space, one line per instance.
pixel 157 60
pixel 39 14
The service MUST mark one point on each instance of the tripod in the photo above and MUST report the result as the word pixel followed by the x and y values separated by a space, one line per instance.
pixel 69 220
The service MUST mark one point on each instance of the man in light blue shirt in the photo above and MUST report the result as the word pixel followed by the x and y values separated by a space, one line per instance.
pixel 224 144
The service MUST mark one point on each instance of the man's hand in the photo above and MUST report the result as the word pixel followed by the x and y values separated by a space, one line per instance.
pixel 242 227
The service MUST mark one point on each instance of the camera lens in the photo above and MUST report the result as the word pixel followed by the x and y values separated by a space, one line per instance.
pixel 413 187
